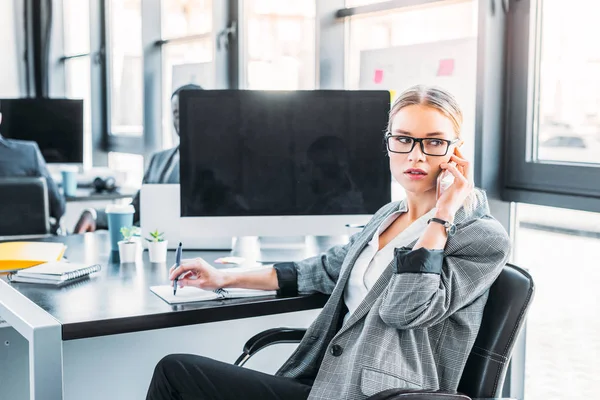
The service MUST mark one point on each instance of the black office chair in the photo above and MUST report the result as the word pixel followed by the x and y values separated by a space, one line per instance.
pixel 24 208
pixel 484 373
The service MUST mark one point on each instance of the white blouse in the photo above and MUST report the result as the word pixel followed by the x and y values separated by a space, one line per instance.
pixel 371 263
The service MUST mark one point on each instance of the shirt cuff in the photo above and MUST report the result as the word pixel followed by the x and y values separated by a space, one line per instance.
pixel 422 261
pixel 93 212
pixel 287 278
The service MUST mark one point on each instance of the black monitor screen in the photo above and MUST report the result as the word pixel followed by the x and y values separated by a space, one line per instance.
pixel 261 153
pixel 55 124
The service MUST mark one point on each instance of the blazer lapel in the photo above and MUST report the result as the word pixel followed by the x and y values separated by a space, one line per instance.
pixel 338 291
pixel 171 161
pixel 386 276
pixel 337 296
pixel 373 294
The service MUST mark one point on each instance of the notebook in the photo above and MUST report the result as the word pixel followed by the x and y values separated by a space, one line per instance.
pixel 54 273
pixel 19 255
pixel 188 294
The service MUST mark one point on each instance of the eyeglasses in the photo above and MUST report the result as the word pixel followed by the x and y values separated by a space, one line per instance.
pixel 429 146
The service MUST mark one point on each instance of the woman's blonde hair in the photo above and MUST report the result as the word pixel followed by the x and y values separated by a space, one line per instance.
pixel 433 97
pixel 445 103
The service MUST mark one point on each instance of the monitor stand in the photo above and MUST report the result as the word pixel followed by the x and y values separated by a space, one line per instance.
pixel 283 249
pixel 271 249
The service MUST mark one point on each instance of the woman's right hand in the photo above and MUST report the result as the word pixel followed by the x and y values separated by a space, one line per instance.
pixel 198 273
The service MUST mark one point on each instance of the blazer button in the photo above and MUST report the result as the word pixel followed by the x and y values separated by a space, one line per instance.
pixel 336 350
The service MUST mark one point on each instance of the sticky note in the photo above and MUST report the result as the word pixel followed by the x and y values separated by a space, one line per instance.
pixel 446 67
pixel 378 78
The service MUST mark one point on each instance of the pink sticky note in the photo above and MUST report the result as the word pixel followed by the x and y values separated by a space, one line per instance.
pixel 446 67
pixel 378 78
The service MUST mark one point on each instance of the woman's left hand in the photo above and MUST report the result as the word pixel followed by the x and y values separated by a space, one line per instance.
pixel 454 197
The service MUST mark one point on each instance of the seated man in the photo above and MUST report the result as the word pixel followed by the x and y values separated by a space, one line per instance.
pixel 24 158
pixel 163 168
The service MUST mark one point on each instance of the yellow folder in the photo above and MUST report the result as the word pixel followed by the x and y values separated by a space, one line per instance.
pixel 19 255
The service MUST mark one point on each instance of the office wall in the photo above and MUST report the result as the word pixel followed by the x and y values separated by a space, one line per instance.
pixel 9 75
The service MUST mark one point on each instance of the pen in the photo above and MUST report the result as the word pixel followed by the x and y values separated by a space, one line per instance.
pixel 177 264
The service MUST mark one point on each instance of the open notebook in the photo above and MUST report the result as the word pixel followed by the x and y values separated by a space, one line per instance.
pixel 54 273
pixel 190 294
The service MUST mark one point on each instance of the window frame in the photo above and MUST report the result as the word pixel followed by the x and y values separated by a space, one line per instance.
pixel 550 183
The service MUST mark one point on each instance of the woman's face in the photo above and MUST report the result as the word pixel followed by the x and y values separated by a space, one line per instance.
pixel 415 171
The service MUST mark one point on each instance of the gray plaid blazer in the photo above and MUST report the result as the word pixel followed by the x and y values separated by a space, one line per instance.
pixel 417 324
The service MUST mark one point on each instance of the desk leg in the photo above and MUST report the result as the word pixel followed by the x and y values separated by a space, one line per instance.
pixel 46 364
pixel 44 334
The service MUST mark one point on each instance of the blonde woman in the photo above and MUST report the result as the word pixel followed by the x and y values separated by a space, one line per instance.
pixel 406 293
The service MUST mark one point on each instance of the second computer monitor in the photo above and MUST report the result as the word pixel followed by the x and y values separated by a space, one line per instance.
pixel 56 125
pixel 271 154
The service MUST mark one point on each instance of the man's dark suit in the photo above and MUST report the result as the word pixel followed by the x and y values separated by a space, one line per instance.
pixel 163 168
pixel 23 158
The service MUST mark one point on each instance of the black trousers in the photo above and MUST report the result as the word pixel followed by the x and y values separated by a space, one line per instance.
pixel 187 377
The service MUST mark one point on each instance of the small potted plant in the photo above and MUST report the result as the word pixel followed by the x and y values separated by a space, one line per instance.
pixel 128 246
pixel 157 247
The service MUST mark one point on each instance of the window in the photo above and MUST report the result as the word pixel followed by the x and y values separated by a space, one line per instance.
pixel 129 166
pixel 188 52
pixel 553 145
pixel 186 17
pixel 125 67
pixel 443 21
pixel 78 86
pixel 434 44
pixel 568 92
pixel 76 16
pixel 559 248
pixel 279 44
pixel 9 79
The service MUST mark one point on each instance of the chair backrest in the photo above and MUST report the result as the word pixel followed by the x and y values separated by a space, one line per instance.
pixel 503 318
pixel 24 206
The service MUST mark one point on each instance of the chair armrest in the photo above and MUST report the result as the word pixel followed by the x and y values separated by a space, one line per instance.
pixel 268 338
pixel 412 394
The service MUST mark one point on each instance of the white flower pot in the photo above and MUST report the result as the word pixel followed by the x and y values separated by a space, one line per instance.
pixel 127 251
pixel 158 251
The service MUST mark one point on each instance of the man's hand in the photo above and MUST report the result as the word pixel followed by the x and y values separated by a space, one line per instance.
pixel 86 223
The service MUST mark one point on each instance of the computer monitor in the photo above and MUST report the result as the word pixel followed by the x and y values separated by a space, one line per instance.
pixel 270 163
pixel 56 125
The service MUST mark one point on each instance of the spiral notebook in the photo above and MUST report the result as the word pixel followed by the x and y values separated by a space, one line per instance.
pixel 190 294
pixel 54 273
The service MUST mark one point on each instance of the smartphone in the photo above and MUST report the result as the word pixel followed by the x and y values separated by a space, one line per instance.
pixel 444 180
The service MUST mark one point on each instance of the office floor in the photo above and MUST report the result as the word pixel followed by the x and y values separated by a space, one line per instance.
pixel 563 330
